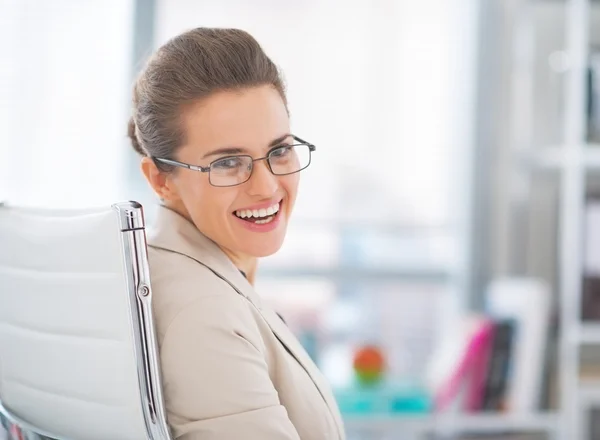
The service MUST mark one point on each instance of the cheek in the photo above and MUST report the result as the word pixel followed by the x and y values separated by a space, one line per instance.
pixel 290 185
pixel 191 187
pixel 204 201
pixel 195 193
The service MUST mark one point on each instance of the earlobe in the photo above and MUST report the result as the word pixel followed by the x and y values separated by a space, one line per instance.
pixel 158 180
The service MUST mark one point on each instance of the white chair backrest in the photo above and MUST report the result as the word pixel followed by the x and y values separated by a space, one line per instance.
pixel 78 355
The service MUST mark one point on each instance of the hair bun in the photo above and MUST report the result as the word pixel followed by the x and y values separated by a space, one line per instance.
pixel 133 138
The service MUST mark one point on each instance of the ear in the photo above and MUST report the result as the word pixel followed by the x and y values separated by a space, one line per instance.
pixel 161 182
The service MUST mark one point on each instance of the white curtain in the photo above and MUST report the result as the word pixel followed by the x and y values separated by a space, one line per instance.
pixel 65 74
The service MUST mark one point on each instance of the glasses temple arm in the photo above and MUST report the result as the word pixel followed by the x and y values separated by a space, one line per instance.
pixel 182 165
pixel 302 141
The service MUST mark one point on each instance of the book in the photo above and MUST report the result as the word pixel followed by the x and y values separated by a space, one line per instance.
pixel 527 303
pixel 590 294
pixel 498 366
pixel 458 372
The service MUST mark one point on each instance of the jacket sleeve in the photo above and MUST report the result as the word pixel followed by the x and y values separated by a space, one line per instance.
pixel 216 380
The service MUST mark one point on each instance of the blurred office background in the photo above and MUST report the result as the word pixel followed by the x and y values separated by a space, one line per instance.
pixel 442 267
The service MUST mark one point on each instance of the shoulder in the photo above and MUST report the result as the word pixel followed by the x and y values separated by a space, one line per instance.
pixel 171 269
pixel 183 289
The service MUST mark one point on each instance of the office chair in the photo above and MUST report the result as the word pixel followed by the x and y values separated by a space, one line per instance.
pixel 78 351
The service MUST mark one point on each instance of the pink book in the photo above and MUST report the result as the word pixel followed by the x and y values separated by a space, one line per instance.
pixel 480 358
pixel 469 376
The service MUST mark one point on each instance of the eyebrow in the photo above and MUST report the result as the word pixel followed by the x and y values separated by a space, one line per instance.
pixel 239 150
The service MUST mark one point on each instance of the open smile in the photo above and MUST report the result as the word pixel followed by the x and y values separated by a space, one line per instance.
pixel 261 219
pixel 260 216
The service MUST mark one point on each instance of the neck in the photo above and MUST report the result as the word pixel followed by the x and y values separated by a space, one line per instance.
pixel 245 263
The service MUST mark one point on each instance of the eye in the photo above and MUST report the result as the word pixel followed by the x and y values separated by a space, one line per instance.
pixel 281 151
pixel 227 163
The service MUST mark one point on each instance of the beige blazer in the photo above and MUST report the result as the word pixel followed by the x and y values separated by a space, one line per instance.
pixel 232 370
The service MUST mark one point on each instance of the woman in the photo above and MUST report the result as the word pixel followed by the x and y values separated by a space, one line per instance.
pixel 210 119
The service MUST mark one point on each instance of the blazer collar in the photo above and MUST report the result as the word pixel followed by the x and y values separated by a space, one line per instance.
pixel 173 232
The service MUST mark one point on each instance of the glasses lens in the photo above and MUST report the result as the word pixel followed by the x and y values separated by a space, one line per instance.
pixel 289 159
pixel 230 171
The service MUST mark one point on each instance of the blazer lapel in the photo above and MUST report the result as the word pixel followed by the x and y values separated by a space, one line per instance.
pixel 177 234
pixel 293 346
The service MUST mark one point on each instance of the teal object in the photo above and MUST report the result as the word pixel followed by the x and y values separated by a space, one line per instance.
pixel 308 339
pixel 384 398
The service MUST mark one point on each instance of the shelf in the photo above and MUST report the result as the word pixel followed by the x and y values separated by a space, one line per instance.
pixel 429 274
pixel 554 158
pixel 589 334
pixel 589 393
pixel 479 423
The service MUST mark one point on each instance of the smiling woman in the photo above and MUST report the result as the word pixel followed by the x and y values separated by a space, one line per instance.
pixel 210 120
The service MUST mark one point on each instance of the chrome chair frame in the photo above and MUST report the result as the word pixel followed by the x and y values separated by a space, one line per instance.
pixel 139 291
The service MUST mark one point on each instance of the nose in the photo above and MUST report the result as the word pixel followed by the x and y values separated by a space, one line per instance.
pixel 262 182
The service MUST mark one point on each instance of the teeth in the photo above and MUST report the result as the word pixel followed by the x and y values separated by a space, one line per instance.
pixel 258 213
pixel 262 222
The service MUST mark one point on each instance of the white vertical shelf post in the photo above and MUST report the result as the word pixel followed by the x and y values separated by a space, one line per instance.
pixel 571 214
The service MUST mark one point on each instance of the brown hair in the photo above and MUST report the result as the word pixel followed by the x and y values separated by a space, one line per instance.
pixel 187 68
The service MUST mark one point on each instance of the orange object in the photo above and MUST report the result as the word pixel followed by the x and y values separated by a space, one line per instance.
pixel 369 364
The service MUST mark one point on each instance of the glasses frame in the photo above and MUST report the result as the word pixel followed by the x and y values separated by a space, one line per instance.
pixel 200 168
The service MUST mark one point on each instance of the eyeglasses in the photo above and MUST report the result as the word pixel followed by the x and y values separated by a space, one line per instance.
pixel 235 170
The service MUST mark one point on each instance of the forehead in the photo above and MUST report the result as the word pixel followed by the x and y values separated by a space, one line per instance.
pixel 249 119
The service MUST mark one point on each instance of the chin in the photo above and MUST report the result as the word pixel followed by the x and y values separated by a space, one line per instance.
pixel 264 249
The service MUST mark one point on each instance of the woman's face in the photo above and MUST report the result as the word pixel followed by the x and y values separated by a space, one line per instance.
pixel 251 122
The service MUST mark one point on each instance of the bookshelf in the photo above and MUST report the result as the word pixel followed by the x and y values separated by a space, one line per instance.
pixel 570 162
pixel 556 158
pixel 589 334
